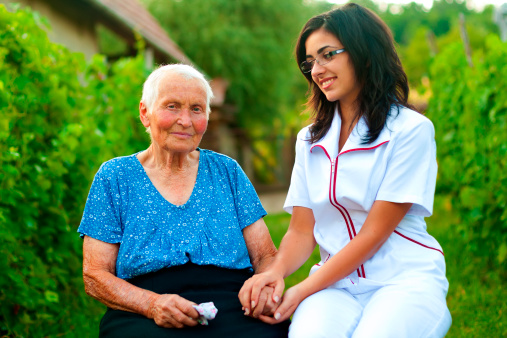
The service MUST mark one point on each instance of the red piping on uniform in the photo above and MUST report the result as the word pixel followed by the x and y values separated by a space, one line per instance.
pixel 311 149
pixel 331 188
pixel 340 207
pixel 346 217
pixel 355 149
pixel 416 242
pixel 328 256
pixel 334 201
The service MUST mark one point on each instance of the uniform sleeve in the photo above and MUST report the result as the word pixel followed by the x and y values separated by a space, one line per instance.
pixel 298 191
pixel 247 203
pixel 101 217
pixel 412 169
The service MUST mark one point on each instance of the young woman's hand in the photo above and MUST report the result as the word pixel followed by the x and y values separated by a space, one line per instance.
pixel 258 289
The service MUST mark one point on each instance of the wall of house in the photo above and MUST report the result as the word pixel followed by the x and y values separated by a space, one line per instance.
pixel 71 23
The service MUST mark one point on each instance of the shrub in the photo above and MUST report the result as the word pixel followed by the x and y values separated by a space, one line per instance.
pixel 469 109
pixel 60 118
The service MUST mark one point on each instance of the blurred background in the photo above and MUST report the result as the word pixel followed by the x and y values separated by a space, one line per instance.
pixel 71 74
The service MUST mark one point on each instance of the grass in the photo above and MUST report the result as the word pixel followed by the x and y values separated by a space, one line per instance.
pixel 476 296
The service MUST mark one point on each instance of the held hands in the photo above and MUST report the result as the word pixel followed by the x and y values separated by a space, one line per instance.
pixel 261 294
pixel 173 311
pixel 266 305
pixel 259 290
pixel 290 302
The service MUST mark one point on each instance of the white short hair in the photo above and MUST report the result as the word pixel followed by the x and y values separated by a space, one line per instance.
pixel 152 83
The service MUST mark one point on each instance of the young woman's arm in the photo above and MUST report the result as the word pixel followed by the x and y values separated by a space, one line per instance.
pixel 382 220
pixel 297 245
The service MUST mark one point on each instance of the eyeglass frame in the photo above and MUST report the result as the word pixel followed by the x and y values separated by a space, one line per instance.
pixel 322 62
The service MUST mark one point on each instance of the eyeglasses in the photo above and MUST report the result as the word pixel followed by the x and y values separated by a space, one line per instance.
pixel 322 59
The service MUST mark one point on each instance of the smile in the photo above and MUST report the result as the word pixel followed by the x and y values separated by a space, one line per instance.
pixel 184 135
pixel 327 83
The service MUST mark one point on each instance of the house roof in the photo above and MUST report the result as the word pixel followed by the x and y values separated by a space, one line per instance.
pixel 136 17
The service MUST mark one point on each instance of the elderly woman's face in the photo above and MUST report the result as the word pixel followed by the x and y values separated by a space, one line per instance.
pixel 178 118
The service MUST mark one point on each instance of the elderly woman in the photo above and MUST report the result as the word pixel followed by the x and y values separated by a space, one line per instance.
pixel 174 225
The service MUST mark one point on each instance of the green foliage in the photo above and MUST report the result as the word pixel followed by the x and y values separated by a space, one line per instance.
pixel 476 292
pixel 60 118
pixel 469 110
pixel 416 29
pixel 250 43
pixel 109 43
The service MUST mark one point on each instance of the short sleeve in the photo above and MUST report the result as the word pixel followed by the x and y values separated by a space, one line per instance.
pixel 247 203
pixel 101 217
pixel 298 190
pixel 412 169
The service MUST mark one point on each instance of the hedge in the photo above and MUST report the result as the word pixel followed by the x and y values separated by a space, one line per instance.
pixel 469 109
pixel 61 117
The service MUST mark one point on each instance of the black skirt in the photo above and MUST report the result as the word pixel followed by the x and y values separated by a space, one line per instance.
pixel 199 284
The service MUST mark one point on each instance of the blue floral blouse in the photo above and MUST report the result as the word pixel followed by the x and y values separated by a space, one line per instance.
pixel 124 207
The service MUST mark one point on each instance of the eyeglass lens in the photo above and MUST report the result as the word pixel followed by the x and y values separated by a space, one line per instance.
pixel 323 59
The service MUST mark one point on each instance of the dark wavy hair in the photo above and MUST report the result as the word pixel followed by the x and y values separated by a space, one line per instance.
pixel 377 66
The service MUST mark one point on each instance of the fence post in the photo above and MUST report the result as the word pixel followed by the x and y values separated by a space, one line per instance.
pixel 464 37
pixel 501 21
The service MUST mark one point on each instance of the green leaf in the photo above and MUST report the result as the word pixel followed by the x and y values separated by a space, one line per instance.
pixel 51 296
pixel 502 252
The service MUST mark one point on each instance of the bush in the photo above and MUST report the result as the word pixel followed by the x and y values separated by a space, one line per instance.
pixel 469 109
pixel 60 118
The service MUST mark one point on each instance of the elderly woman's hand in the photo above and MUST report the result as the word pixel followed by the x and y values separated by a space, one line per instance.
pixel 99 264
pixel 173 311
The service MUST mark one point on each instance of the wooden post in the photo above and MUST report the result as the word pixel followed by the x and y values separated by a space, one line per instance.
pixel 149 57
pixel 430 36
pixel 464 37
pixel 501 21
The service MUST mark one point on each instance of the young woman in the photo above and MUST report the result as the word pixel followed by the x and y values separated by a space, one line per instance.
pixel 363 181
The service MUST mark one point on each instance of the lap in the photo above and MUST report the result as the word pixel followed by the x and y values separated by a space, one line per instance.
pixel 411 310
pixel 327 313
pixel 229 322
pixel 198 284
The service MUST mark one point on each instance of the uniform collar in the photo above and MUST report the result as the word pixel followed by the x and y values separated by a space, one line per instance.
pixel 329 143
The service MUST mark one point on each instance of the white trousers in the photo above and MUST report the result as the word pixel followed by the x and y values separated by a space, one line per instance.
pixel 392 311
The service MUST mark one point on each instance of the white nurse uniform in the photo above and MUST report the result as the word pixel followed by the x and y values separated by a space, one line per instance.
pixel 401 290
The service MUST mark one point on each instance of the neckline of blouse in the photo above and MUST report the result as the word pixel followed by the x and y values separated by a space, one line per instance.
pixel 160 196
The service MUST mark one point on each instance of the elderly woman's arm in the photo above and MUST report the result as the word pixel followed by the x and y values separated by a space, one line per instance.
pixel 99 264
pixel 262 252
pixel 260 245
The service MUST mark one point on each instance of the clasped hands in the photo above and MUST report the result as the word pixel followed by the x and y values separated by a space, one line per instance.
pixel 261 297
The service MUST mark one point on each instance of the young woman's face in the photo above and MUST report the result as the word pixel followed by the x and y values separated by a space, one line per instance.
pixel 337 78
